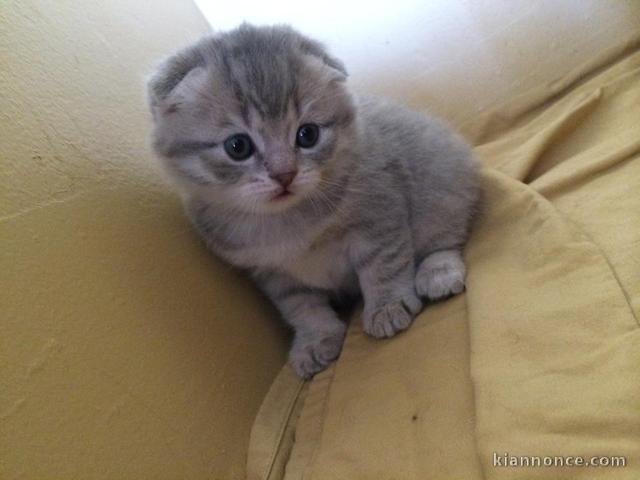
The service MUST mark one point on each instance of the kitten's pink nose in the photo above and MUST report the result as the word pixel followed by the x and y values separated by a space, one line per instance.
pixel 284 178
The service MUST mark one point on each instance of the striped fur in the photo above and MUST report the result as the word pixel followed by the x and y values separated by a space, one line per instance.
pixel 381 206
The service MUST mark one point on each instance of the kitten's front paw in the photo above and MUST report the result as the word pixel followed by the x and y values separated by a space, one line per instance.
pixel 310 356
pixel 391 318
pixel 440 275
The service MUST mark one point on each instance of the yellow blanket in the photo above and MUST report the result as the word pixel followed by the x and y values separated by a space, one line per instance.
pixel 539 361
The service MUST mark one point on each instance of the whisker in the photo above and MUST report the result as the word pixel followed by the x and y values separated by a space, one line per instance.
pixel 326 200
pixel 346 188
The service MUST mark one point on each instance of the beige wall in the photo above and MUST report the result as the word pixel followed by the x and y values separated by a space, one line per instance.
pixel 457 58
pixel 123 353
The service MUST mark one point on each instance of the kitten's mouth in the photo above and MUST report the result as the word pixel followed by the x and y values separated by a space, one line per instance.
pixel 283 195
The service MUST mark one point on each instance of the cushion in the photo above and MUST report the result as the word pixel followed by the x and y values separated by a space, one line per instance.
pixel 540 357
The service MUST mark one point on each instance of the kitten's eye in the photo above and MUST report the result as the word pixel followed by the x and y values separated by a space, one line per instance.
pixel 307 135
pixel 238 147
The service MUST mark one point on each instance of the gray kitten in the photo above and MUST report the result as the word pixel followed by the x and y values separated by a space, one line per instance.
pixel 316 192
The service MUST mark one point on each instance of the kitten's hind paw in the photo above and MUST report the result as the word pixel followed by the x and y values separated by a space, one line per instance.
pixel 440 275
pixel 308 357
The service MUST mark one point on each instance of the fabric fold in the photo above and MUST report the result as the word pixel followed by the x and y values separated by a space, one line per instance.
pixel 540 356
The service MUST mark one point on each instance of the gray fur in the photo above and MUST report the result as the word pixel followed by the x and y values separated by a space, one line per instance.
pixel 382 205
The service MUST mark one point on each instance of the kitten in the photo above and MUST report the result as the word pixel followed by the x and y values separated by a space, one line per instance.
pixel 313 190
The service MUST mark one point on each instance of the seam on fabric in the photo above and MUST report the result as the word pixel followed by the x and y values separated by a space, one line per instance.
pixel 614 274
pixel 316 447
pixel 574 226
pixel 483 473
pixel 283 427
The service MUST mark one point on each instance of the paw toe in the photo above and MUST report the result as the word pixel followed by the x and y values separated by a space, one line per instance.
pixel 309 358
pixel 388 320
pixel 438 283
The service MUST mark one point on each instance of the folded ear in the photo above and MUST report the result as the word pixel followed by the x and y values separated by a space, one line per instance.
pixel 170 73
pixel 317 49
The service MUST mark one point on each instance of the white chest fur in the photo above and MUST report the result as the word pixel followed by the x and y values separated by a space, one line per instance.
pixel 326 266
pixel 323 265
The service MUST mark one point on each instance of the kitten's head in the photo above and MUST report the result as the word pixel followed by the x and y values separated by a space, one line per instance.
pixel 254 119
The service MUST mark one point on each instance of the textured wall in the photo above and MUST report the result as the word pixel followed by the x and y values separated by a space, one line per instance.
pixel 124 354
